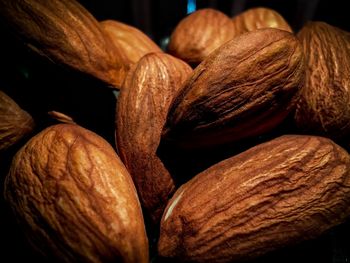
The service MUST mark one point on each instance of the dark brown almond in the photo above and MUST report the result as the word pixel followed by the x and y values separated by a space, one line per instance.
pixel 243 89
pixel 290 189
pixel 324 105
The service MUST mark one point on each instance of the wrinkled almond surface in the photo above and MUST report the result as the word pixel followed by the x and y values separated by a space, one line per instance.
pixel 15 123
pixel 141 112
pixel 257 18
pixel 65 32
pixel 324 105
pixel 132 42
pixel 276 194
pixel 243 89
pixel 74 198
pixel 199 34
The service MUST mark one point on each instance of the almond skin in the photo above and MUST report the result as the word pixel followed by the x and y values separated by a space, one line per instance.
pixel 66 33
pixel 199 34
pixel 276 194
pixel 15 123
pixel 132 42
pixel 74 198
pixel 257 18
pixel 324 105
pixel 243 89
pixel 142 106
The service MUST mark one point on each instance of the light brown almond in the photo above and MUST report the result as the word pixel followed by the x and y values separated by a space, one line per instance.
pixel 142 106
pixel 199 34
pixel 75 200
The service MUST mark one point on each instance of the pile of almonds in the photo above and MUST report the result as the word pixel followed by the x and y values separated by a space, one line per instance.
pixel 275 103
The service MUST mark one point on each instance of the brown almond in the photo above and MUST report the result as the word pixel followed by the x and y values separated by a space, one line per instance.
pixel 15 123
pixel 141 112
pixel 276 194
pixel 75 200
pixel 257 18
pixel 199 34
pixel 243 89
pixel 65 32
pixel 132 42
pixel 324 105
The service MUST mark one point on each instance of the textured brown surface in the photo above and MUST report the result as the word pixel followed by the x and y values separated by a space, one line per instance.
pixel 74 198
pixel 257 18
pixel 66 33
pixel 244 88
pixel 15 123
pixel 141 111
pixel 132 42
pixel 324 105
pixel 290 189
pixel 61 117
pixel 199 34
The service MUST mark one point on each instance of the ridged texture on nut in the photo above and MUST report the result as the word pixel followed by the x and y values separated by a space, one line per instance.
pixel 243 89
pixel 74 198
pixel 279 193
pixel 257 18
pixel 133 43
pixel 15 123
pixel 199 34
pixel 324 105
pixel 66 33
pixel 143 104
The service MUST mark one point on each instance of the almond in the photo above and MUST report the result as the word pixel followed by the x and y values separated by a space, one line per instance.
pixel 141 112
pixel 132 42
pixel 66 33
pixel 199 34
pixel 276 194
pixel 324 105
pixel 74 199
pixel 257 18
pixel 15 123
pixel 243 89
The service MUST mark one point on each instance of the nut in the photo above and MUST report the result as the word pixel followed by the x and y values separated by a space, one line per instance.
pixel 141 112
pixel 15 123
pixel 243 89
pixel 133 43
pixel 276 194
pixel 257 18
pixel 324 105
pixel 74 198
pixel 65 32
pixel 199 34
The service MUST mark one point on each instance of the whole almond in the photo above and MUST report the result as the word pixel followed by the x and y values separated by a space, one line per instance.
pixel 141 112
pixel 199 34
pixel 15 123
pixel 132 42
pixel 324 105
pixel 276 194
pixel 74 199
pixel 257 18
pixel 65 32
pixel 243 89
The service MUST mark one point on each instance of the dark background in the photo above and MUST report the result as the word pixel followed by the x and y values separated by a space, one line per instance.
pixel 39 86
